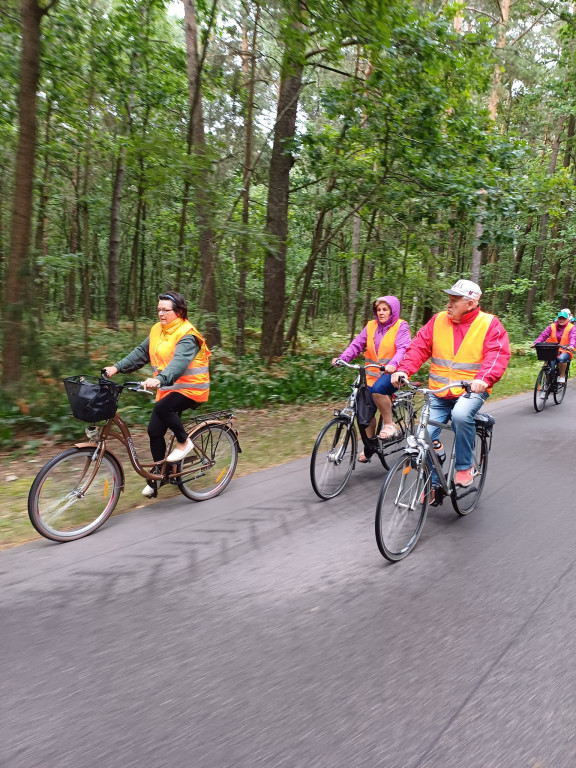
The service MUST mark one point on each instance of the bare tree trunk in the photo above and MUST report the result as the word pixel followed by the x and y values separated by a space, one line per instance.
pixel 17 267
pixel 40 241
pixel 540 248
pixel 201 178
pixel 249 72
pixel 113 296
pixel 354 273
pixel 274 289
pixel 519 255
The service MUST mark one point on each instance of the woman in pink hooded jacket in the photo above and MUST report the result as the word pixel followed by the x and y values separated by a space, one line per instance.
pixel 384 340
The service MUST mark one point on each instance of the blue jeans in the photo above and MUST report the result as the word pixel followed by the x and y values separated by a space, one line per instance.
pixel 563 357
pixel 383 385
pixel 461 410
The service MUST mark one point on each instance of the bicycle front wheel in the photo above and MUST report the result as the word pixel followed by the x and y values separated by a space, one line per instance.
pixel 333 458
pixel 464 500
pixel 402 508
pixel 541 391
pixel 211 465
pixel 68 501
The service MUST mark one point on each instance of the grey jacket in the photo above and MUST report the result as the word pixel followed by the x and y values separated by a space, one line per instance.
pixel 186 350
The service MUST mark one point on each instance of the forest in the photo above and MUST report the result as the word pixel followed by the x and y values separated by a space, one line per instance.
pixel 280 164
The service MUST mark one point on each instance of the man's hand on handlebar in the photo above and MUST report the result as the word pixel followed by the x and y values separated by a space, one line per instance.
pixel 478 386
pixel 109 371
pixel 151 384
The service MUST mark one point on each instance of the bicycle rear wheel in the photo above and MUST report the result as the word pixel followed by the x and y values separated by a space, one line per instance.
pixel 403 418
pixel 211 465
pixel 333 458
pixel 560 390
pixel 402 508
pixel 541 391
pixel 64 504
pixel 464 500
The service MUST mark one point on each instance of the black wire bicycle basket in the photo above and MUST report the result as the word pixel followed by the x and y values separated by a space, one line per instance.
pixel 92 399
pixel 546 350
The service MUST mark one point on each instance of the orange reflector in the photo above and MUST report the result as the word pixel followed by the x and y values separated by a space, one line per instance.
pixel 106 488
pixel 221 475
pixel 407 469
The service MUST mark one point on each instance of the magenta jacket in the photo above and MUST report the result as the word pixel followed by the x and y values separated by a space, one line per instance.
pixel 358 345
pixel 545 335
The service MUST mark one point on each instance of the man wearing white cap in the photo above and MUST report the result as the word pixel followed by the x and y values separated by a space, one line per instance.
pixel 463 343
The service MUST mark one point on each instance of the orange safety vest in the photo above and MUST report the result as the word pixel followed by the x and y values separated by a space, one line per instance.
pixel 446 366
pixel 195 383
pixel 565 340
pixel 386 348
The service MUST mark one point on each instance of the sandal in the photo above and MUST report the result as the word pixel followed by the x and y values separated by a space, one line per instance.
pixel 363 459
pixel 389 432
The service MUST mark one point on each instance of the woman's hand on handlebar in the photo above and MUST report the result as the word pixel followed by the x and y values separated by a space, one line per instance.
pixel 335 361
pixel 399 378
pixel 109 371
pixel 151 384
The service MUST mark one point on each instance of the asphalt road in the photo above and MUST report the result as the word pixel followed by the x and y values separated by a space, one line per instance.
pixel 263 628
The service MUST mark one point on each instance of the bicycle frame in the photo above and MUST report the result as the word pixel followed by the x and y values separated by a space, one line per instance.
pixel 420 444
pixel 125 438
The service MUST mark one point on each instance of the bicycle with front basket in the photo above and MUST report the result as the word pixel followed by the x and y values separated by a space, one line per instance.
pixel 76 492
pixel 334 454
pixel 407 490
pixel 547 380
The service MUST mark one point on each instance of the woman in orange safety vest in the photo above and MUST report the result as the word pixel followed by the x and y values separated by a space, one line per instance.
pixel 179 357
pixel 383 341
pixel 561 331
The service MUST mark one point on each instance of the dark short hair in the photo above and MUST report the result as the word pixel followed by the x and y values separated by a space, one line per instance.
pixel 179 304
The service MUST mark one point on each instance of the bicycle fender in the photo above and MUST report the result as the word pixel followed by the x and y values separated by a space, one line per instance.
pixel 113 455
pixel 208 422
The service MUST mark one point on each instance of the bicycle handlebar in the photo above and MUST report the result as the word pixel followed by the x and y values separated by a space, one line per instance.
pixel 132 386
pixel 465 384
pixel 356 367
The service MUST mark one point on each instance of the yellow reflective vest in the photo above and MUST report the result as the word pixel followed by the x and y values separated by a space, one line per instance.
pixel 195 383
pixel 386 348
pixel 445 366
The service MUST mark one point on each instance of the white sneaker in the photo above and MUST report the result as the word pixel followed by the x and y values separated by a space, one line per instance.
pixel 148 491
pixel 180 453
pixel 561 379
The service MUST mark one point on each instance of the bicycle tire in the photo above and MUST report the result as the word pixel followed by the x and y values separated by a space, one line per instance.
pixel 560 391
pixel 400 514
pixel 403 417
pixel 541 391
pixel 333 457
pixel 465 500
pixel 59 508
pixel 206 478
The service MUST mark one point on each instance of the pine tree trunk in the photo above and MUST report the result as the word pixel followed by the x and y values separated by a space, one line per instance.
pixel 113 296
pixel 17 262
pixel 274 289
pixel 200 181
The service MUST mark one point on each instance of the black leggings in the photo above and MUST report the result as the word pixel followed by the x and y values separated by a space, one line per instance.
pixel 165 416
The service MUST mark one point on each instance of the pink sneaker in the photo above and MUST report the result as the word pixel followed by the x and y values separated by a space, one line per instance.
pixel 464 477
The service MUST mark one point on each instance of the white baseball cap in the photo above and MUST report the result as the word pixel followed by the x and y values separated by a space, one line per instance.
pixel 465 288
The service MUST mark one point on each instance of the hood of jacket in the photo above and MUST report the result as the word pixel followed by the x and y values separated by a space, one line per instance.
pixel 394 305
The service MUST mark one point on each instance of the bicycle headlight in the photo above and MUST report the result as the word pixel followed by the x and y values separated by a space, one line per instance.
pixel 411 441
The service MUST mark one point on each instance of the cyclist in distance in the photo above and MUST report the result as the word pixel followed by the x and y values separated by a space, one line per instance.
pixel 561 331
pixel 384 341
pixel 179 357
pixel 464 343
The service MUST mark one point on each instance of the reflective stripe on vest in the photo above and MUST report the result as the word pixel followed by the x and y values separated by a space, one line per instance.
pixel 386 348
pixel 195 381
pixel 565 338
pixel 445 366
